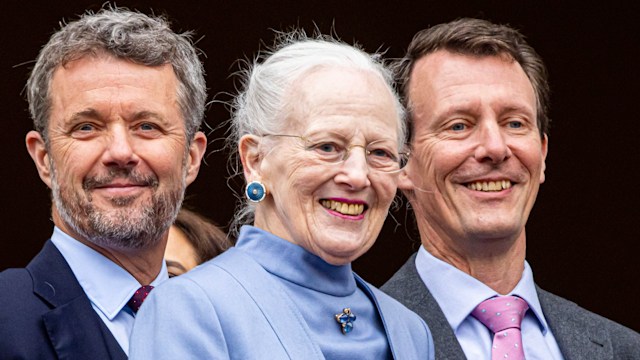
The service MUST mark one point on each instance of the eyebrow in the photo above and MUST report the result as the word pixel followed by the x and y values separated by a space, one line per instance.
pixel 88 113
pixel 147 114
pixel 175 264
pixel 473 110
pixel 94 114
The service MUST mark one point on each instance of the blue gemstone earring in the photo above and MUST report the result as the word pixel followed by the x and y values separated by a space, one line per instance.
pixel 346 319
pixel 255 191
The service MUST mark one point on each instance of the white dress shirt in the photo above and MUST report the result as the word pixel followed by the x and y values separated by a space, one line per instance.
pixel 108 286
pixel 458 294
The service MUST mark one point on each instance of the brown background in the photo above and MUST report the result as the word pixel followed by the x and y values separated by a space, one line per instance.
pixel 583 231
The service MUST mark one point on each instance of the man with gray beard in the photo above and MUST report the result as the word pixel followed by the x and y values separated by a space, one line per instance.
pixel 117 99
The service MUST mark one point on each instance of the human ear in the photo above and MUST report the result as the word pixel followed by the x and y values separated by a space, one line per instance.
pixel 544 149
pixel 404 180
pixel 250 156
pixel 40 155
pixel 196 152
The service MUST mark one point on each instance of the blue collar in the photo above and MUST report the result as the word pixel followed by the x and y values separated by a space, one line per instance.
pixel 298 266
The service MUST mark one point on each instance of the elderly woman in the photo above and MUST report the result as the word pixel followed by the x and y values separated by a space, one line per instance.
pixel 320 135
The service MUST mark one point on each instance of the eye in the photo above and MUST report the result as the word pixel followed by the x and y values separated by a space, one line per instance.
pixel 147 126
pixel 515 124
pixel 85 127
pixel 458 127
pixel 326 147
pixel 327 151
pixel 84 131
pixel 382 153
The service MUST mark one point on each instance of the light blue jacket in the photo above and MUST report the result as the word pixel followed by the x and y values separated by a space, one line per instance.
pixel 231 308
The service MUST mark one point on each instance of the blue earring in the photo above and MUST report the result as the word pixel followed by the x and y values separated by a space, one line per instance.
pixel 255 191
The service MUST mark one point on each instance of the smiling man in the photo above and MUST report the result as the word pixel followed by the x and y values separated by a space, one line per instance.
pixel 117 99
pixel 477 94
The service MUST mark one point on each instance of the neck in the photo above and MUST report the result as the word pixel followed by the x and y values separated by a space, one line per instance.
pixel 496 262
pixel 143 264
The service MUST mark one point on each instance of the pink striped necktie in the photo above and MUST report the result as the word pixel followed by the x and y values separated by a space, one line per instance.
pixel 503 315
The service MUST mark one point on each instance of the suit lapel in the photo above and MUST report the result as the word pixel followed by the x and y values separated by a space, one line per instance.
pixel 74 328
pixel 78 333
pixel 576 337
pixel 407 287
pixel 277 307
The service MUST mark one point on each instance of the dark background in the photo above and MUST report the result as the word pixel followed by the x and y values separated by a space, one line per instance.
pixel 583 231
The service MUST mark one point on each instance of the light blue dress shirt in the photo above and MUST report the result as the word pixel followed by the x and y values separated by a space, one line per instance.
pixel 107 285
pixel 458 294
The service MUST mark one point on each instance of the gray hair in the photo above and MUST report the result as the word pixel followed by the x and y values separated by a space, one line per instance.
pixel 124 34
pixel 262 106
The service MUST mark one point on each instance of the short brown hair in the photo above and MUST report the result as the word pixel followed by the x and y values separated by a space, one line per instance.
pixel 476 37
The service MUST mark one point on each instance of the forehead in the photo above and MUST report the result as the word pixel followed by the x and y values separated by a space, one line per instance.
pixel 338 97
pixel 179 248
pixel 103 80
pixel 178 241
pixel 444 78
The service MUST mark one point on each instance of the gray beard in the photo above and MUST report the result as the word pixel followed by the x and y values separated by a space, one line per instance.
pixel 122 227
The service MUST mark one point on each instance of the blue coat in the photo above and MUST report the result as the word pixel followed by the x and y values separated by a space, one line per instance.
pixel 45 314
pixel 231 308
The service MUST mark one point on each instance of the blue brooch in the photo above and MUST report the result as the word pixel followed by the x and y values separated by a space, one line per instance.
pixel 346 319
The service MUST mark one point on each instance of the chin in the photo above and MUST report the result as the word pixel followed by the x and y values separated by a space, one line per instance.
pixel 494 231
pixel 344 253
pixel 338 260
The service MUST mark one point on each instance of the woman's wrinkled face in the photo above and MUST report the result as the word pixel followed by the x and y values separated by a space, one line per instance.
pixel 335 210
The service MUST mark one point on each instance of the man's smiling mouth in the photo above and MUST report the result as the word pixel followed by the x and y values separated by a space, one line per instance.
pixel 489 185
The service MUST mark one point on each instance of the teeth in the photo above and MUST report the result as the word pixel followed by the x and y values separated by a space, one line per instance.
pixel 490 185
pixel 343 208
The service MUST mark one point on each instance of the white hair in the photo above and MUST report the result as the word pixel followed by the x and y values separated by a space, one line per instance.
pixel 261 106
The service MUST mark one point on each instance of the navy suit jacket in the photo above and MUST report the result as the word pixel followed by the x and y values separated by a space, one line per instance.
pixel 580 333
pixel 45 314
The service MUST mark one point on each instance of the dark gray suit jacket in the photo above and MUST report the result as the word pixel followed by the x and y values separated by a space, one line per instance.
pixel 580 333
pixel 45 314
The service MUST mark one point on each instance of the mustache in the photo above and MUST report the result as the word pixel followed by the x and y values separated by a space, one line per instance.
pixel 131 176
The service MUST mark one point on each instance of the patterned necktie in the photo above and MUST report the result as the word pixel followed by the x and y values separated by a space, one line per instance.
pixel 503 315
pixel 138 297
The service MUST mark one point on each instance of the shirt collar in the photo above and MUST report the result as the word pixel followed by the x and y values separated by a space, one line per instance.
pixel 295 264
pixel 440 277
pixel 107 285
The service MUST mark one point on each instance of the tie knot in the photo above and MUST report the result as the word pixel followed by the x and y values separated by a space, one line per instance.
pixel 501 312
pixel 138 297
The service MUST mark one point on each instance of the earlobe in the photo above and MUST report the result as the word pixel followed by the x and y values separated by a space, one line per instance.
pixel 196 153
pixel 40 155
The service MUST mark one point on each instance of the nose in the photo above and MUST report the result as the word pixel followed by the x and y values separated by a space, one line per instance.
pixel 119 151
pixel 354 170
pixel 492 145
